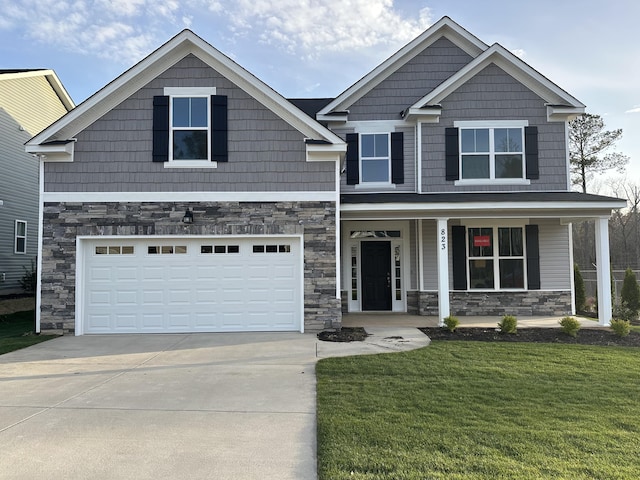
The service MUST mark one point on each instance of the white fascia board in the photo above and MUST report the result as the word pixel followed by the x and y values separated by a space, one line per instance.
pixel 484 206
pixel 325 153
pixel 562 113
pixel 186 42
pixel 513 66
pixel 132 197
pixel 62 93
pixel 445 27
pixel 430 115
pixel 53 153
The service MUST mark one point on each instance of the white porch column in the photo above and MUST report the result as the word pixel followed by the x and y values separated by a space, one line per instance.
pixel 603 271
pixel 443 270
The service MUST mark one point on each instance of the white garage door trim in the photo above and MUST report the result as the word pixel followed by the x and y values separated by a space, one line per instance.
pixel 85 247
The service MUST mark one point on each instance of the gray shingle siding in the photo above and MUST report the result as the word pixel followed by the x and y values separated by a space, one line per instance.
pixel 410 82
pixel 265 153
pixel 495 95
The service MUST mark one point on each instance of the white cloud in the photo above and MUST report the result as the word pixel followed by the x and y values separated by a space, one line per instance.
pixel 308 28
pixel 122 31
pixel 519 52
pixel 635 109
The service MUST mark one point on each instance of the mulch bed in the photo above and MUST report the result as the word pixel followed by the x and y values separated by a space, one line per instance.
pixel 537 335
pixel 585 336
pixel 345 334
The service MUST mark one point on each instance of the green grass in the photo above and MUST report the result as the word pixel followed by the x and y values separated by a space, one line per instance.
pixel 17 331
pixel 475 410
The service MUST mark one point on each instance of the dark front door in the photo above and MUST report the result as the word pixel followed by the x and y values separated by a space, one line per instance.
pixel 376 275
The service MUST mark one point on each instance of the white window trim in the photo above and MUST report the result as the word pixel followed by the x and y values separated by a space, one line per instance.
pixel 492 124
pixel 16 237
pixel 496 257
pixel 189 92
pixel 387 184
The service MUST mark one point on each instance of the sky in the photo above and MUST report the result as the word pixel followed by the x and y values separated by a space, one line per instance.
pixel 318 48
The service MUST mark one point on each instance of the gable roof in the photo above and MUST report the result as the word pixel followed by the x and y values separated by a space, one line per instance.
pixel 515 67
pixel 445 27
pixel 183 44
pixel 50 75
pixel 560 104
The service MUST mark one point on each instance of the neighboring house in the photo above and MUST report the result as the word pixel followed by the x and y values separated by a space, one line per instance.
pixel 30 100
pixel 188 196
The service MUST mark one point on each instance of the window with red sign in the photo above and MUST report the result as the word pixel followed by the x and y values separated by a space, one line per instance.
pixel 506 262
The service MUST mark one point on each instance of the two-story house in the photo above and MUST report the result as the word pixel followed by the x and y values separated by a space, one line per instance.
pixel 189 196
pixel 30 100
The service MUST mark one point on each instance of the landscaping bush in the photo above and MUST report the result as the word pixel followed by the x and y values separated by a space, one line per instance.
pixel 451 323
pixel 630 294
pixel 29 279
pixel 570 326
pixel 508 324
pixel 621 327
pixel 578 283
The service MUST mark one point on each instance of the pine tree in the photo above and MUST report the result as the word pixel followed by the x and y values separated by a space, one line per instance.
pixel 631 292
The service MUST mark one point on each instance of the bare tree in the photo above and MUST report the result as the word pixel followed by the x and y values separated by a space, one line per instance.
pixel 590 148
pixel 625 225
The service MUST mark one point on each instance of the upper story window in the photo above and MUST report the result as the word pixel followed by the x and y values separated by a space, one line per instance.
pixel 484 152
pixel 492 153
pixel 375 161
pixel 20 237
pixel 190 127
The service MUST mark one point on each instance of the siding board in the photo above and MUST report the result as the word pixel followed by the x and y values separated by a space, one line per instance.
pixel 114 153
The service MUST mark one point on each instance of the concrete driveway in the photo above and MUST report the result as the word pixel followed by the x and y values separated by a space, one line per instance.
pixel 214 406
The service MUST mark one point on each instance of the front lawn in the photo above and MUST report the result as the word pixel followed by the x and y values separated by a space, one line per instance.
pixel 477 410
pixel 17 331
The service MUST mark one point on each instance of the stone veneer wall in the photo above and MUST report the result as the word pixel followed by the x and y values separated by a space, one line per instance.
pixel 533 302
pixel 63 222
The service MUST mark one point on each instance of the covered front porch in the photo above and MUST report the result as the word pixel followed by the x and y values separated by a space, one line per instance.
pixel 428 256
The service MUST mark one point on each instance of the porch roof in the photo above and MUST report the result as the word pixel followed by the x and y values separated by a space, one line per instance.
pixel 566 205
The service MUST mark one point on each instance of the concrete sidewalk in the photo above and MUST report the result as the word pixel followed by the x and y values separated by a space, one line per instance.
pixel 197 406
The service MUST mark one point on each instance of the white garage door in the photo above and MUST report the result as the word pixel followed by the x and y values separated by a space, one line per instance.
pixel 192 285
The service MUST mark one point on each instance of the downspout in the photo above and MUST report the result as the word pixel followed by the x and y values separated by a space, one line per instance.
pixel 40 233
pixel 338 233
pixel 419 156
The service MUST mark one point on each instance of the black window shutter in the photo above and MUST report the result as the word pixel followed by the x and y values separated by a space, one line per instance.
pixel 531 152
pixel 219 148
pixel 533 257
pixel 452 154
pixel 397 157
pixel 459 257
pixel 160 151
pixel 353 157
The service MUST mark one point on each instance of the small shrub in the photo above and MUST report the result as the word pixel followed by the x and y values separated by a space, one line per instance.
pixel 622 312
pixel 570 326
pixel 508 324
pixel 620 327
pixel 451 323
pixel 29 279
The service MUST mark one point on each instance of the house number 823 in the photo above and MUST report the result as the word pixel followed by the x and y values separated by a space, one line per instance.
pixel 443 239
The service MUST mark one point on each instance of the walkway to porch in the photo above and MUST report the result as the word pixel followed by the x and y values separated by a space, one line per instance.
pixel 383 319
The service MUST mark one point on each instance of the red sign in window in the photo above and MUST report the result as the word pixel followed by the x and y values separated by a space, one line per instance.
pixel 482 241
